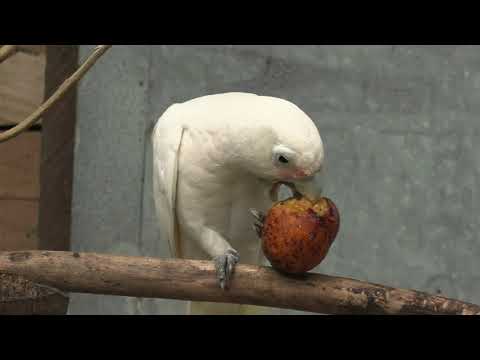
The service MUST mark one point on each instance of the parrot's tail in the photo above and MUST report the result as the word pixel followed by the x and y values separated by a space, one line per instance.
pixel 210 308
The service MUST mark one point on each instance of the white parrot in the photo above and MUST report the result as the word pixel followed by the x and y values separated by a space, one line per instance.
pixel 215 158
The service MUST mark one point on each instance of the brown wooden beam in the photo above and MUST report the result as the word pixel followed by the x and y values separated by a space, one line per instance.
pixel 56 170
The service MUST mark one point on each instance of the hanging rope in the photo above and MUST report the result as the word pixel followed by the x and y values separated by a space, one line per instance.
pixel 56 96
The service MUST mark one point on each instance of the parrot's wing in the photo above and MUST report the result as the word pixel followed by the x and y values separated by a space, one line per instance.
pixel 166 141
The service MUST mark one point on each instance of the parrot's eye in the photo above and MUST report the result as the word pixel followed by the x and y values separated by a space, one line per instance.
pixel 283 159
pixel 283 156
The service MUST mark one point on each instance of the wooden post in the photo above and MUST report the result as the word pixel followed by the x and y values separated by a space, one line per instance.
pixel 56 171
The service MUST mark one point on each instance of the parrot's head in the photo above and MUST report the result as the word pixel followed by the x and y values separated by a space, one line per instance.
pixel 294 159
pixel 287 147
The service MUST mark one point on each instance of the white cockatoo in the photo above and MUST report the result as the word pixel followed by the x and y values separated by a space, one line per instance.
pixel 215 158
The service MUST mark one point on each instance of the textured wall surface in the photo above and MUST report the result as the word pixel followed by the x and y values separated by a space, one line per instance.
pixel 401 130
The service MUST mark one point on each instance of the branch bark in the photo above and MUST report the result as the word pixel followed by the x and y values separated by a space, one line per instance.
pixel 56 96
pixel 195 280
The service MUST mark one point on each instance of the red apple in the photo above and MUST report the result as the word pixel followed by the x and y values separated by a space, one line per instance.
pixel 298 232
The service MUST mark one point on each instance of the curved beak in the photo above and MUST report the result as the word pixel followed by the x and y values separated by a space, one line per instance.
pixel 308 186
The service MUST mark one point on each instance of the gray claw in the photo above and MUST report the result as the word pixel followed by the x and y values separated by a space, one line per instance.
pixel 258 229
pixel 258 215
pixel 225 266
pixel 259 220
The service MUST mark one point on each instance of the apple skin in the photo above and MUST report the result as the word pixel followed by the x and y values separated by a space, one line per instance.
pixel 297 233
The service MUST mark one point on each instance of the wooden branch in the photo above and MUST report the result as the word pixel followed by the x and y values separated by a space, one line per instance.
pixel 6 51
pixel 196 280
pixel 57 95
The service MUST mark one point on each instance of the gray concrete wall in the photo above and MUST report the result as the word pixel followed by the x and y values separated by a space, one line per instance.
pixel 401 130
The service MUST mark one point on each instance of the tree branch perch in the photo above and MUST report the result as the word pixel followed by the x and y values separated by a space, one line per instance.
pixel 195 280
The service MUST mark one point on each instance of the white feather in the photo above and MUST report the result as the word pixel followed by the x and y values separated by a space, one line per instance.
pixel 166 141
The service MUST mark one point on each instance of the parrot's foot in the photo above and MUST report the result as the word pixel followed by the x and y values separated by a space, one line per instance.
pixel 259 220
pixel 225 265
